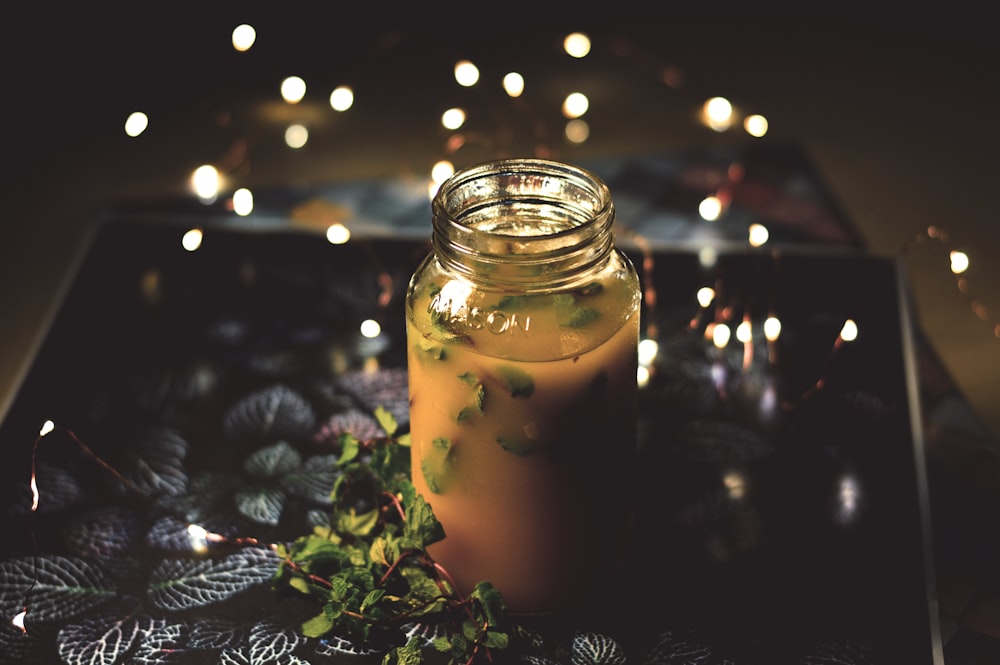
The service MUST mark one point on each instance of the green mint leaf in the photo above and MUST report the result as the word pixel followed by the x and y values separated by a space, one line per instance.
pixel 421 527
pixel 442 643
pixel 386 420
pixel 496 639
pixel 581 317
pixel 373 598
pixel 470 630
pixel 408 654
pixel 427 350
pixel 563 301
pixel 437 465
pixel 318 626
pixel 490 600
pixel 425 593
pixel 477 399
pixel 358 525
pixel 350 447
pixel 518 447
pixel 377 552
pixel 517 381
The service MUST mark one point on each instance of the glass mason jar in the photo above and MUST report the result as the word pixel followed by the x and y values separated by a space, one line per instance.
pixel 522 334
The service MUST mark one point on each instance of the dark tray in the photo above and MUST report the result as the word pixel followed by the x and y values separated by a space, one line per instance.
pixel 782 512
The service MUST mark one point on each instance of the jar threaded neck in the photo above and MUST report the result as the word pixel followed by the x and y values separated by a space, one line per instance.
pixel 523 222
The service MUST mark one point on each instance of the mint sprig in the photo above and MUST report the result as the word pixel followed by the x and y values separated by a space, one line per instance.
pixel 369 570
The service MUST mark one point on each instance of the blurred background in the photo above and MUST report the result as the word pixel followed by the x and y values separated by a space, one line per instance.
pixel 898 114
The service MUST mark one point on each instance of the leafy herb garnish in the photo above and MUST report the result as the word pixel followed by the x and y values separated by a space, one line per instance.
pixel 370 572
pixel 519 447
pixel 478 397
pixel 436 464
pixel 517 381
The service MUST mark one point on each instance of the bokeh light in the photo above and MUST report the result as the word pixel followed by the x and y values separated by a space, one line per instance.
pixel 191 240
pixel 442 170
pixel 849 332
pixel 293 89
pixel 370 328
pixel 758 235
pixel 205 182
pixel 337 234
pixel 453 118
pixel 342 98
pixel 755 125
pixel 136 123
pixel 575 105
pixel 577 131
pixel 243 37
pixel 772 328
pixel 710 208
pixel 720 335
pixel 296 136
pixel 242 201
pixel 466 73
pixel 513 84
pixel 577 44
pixel 959 261
pixel 717 113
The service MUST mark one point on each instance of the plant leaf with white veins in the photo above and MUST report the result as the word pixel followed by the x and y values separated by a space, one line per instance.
pixel 262 505
pixel 271 642
pixel 101 639
pixel 53 587
pixel 178 584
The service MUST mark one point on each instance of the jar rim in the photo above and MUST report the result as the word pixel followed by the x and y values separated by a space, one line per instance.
pixel 523 221
pixel 466 198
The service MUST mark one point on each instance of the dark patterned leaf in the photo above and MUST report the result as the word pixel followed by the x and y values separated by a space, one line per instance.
pixel 184 385
pixel 102 533
pixel 277 412
pixel 172 534
pixel 185 583
pixel 596 649
pixel 101 639
pixel 169 533
pixel 208 495
pixel 272 461
pixel 313 480
pixel 270 642
pixel 57 489
pixel 234 657
pixel 52 587
pixel 215 634
pixel 155 465
pixel 674 649
pixel 360 424
pixel 262 505
pixel 275 362
pixel 161 643
pixel 228 331
pixel 387 387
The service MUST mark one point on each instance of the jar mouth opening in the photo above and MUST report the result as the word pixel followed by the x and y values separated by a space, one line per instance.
pixel 520 221
pixel 522 199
